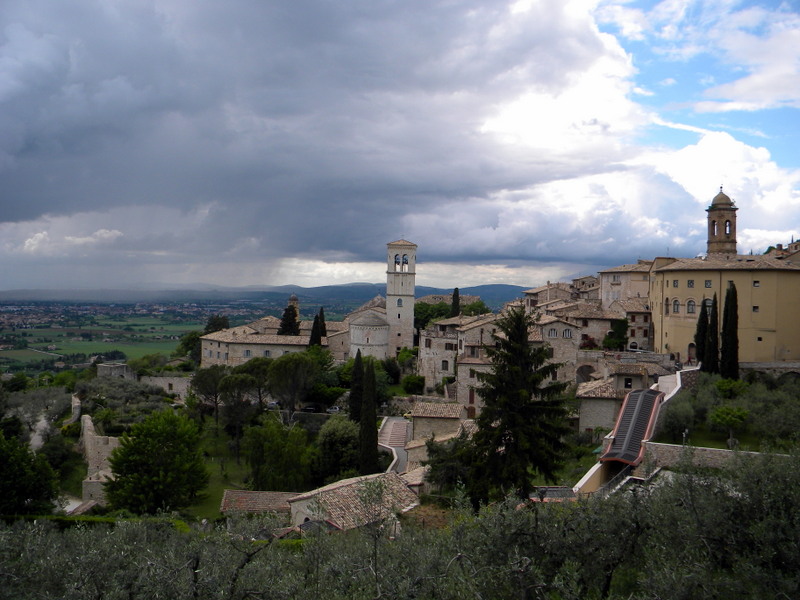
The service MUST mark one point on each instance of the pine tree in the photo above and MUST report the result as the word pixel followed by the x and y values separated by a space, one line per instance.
pixel 522 425
pixel 357 388
pixel 700 336
pixel 729 354
pixel 289 323
pixel 711 355
pixel 455 306
pixel 323 329
pixel 368 431
pixel 316 335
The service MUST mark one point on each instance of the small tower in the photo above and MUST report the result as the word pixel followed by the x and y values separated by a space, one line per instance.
pixel 294 302
pixel 721 225
pixel 400 275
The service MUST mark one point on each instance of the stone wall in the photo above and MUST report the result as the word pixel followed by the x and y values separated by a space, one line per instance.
pixel 171 385
pixel 96 450
pixel 671 455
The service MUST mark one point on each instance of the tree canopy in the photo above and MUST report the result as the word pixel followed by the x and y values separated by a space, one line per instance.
pixel 291 377
pixel 522 424
pixel 28 483
pixel 157 466
pixel 290 324
pixel 368 432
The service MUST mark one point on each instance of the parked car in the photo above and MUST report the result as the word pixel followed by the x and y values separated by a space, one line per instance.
pixel 273 406
pixel 333 410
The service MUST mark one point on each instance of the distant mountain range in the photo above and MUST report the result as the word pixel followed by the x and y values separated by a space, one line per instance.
pixel 348 294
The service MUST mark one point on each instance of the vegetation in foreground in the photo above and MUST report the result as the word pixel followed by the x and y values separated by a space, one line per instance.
pixel 695 535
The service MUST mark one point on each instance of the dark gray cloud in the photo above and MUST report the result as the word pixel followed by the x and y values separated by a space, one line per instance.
pixel 245 132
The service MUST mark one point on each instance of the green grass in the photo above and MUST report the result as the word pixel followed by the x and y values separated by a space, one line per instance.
pixel 223 470
pixel 703 438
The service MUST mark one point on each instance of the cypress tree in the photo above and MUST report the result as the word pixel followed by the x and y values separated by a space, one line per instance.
pixel 455 306
pixel 729 355
pixel 711 355
pixel 700 335
pixel 316 336
pixel 356 388
pixel 289 323
pixel 323 329
pixel 368 431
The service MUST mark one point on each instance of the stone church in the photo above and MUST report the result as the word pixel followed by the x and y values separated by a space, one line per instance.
pixel 380 328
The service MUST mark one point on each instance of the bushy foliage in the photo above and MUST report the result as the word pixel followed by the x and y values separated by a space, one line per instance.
pixel 413 384
pixel 28 483
pixel 734 534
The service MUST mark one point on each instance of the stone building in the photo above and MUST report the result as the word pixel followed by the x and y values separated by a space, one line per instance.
pixel 767 286
pixel 624 282
pixel 640 325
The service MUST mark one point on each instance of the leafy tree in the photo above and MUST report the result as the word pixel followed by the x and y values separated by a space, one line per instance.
pixel 157 466
pixel 316 334
pixel 237 408
pixel 617 338
pixel 291 377
pixel 392 369
pixel 289 323
pixel 475 308
pixel 729 351
pixel 190 345
pixel 522 425
pixel 258 369
pixel 338 443
pixel 280 457
pixel 357 389
pixel 28 482
pixel 17 383
pixel 450 462
pixel 730 418
pixel 148 363
pixel 701 334
pixel 413 384
pixel 424 313
pixel 206 384
pixel 368 431
pixel 455 305
pixel 678 418
pixel 711 354
pixel 216 323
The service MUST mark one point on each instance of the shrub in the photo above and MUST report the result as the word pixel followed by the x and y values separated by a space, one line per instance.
pixel 413 384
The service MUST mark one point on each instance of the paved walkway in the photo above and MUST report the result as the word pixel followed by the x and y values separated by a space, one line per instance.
pixel 394 434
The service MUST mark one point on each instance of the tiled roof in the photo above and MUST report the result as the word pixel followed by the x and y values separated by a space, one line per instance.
pixel 342 505
pixel 415 476
pixel 479 321
pixel 561 285
pixel 721 262
pixel 630 305
pixel 468 427
pixel 247 501
pixel 602 388
pixel 236 336
pixel 448 298
pixel 437 410
pixel 629 369
pixel 588 310
pixel 473 360
pixel 637 268
pixel 402 243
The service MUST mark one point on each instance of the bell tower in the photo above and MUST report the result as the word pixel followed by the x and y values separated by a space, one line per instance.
pixel 721 225
pixel 401 267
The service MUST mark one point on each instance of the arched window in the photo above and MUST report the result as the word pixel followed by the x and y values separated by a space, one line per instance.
pixel 727 227
pixel 690 307
pixel 676 306
pixel 567 333
pixel 399 302
pixel 552 333
pixel 714 227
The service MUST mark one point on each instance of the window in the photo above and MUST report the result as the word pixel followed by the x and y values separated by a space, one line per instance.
pixel 472 373
pixel 644 333
pixel 727 227
pixel 552 333
pixel 756 283
pixel 399 302
pixel 471 396
pixel 633 333
pixel 755 308
pixel 676 306
pixel 708 283
pixel 690 283
pixel 690 307
pixel 247 353
pixel 708 303
pixel 449 346
pixel 567 333
pixel 615 279
pixel 667 282
pixel 646 318
pixel 427 342
pixel 674 283
pixel 628 383
pixel 266 353
pixel 666 306
pixel 445 365
pixel 760 339
pixel 584 322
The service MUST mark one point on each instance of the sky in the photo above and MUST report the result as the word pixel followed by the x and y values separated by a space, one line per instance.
pixel 169 143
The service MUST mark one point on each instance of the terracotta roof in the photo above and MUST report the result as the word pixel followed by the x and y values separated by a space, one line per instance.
pixel 588 310
pixel 437 410
pixel 602 388
pixel 247 501
pixel 633 304
pixel 561 285
pixel 402 243
pixel 341 502
pixel 641 267
pixel 415 476
pixel 232 336
pixel 629 369
pixel 473 360
pixel 479 321
pixel 733 262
